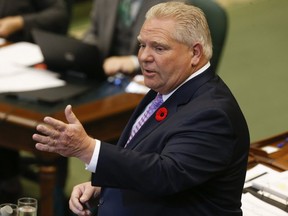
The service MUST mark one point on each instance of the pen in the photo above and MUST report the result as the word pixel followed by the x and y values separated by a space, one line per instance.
pixel 257 176
pixel 282 144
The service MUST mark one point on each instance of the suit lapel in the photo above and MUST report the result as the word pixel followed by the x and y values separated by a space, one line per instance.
pixel 139 109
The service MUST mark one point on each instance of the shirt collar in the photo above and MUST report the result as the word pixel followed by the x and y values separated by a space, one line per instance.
pixel 198 72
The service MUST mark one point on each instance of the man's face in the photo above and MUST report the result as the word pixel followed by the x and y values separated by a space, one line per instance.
pixel 165 63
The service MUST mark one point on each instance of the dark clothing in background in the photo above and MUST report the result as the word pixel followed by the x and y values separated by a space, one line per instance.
pixel 50 15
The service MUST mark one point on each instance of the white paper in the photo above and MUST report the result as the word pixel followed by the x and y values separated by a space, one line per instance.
pixel 258 170
pixel 21 53
pixel 275 184
pixel 270 149
pixel 252 206
pixel 29 79
pixel 2 41
pixel 8 69
pixel 137 86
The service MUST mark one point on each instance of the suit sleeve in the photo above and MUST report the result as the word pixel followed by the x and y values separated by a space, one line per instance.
pixel 50 15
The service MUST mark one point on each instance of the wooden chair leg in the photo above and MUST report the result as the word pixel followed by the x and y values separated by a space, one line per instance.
pixel 47 177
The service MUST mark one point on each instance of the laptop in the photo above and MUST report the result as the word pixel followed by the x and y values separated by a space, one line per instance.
pixel 69 56
pixel 78 63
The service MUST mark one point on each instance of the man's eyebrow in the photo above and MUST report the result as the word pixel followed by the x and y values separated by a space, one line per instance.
pixel 154 43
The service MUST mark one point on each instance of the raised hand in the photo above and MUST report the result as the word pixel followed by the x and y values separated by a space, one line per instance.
pixel 67 139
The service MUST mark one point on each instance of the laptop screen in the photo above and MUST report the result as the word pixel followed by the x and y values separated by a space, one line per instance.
pixel 69 56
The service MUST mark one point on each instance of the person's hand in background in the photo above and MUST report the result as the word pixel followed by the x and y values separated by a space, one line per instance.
pixel 9 25
pixel 124 64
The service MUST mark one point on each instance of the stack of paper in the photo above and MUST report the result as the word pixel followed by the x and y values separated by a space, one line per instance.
pixel 274 184
pixel 256 172
pixel 252 206
pixel 16 73
pixel 21 53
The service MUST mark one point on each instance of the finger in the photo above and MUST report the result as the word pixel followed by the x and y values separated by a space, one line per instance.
pixel 75 205
pixel 54 123
pixel 70 116
pixel 43 139
pixel 53 133
pixel 43 147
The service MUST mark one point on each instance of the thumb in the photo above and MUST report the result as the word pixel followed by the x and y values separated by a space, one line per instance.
pixel 86 196
pixel 70 116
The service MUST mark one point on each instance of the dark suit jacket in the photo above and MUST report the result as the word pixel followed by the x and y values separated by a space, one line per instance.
pixel 191 163
pixel 50 15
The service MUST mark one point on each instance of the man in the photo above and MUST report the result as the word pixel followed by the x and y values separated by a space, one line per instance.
pixel 189 157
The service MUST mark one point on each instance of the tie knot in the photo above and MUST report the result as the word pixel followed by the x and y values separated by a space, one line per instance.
pixel 157 101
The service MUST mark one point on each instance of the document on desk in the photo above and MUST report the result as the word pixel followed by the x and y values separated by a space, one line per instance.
pixel 274 184
pixel 252 206
pixel 137 85
pixel 21 53
pixel 26 79
pixel 2 41
pixel 257 172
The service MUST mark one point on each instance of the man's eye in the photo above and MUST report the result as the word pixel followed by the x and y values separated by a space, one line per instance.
pixel 159 48
pixel 141 45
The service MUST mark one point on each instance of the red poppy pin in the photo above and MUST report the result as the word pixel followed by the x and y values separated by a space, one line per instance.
pixel 161 114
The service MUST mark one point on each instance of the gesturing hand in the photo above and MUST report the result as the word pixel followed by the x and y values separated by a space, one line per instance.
pixel 67 139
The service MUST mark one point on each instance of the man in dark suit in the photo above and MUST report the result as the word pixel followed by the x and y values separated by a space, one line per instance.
pixel 189 157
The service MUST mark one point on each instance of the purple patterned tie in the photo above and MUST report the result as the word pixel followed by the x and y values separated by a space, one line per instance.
pixel 154 105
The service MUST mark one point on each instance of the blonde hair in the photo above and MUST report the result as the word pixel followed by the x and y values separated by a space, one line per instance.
pixel 191 24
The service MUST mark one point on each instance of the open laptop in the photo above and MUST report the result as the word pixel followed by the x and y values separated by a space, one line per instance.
pixel 79 64
pixel 69 56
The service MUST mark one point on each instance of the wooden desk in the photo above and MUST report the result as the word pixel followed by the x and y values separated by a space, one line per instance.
pixel 103 119
pixel 277 159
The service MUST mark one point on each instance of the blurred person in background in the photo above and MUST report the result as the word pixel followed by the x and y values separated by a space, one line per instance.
pixel 18 18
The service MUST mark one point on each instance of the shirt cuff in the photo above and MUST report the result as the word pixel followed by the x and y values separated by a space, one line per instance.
pixel 91 167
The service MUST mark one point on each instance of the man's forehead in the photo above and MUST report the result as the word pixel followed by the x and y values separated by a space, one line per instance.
pixel 156 28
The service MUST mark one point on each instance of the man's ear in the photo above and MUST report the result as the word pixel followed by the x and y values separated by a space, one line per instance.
pixel 197 52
